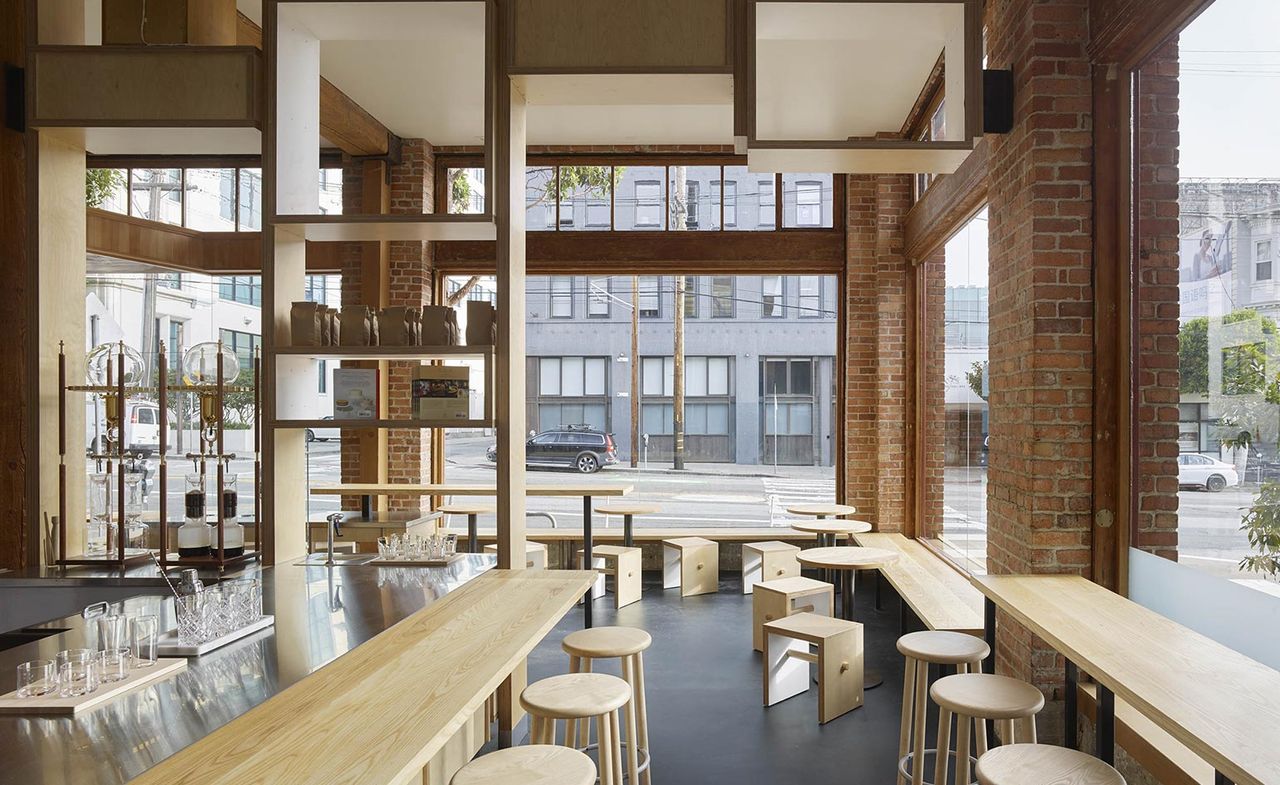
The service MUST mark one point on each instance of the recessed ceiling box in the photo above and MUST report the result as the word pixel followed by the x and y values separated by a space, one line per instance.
pixel 831 84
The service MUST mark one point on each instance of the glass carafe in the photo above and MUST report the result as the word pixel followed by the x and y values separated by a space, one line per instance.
pixel 99 511
pixel 133 502
pixel 193 535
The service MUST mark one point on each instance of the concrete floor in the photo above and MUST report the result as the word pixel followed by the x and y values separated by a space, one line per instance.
pixel 707 724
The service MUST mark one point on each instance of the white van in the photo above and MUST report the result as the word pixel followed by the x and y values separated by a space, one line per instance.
pixel 141 426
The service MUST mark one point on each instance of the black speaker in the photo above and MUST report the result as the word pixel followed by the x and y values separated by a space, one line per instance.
pixel 997 101
pixel 15 98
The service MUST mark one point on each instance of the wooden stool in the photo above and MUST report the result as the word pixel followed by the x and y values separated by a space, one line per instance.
pixel 626 644
pixel 767 561
pixel 839 660
pixel 628 510
pixel 535 554
pixel 691 564
pixel 580 696
pixel 623 564
pixel 535 764
pixel 780 598
pixel 980 696
pixel 1043 764
pixel 472 510
pixel 921 649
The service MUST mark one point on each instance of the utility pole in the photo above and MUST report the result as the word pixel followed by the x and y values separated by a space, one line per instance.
pixel 635 371
pixel 677 380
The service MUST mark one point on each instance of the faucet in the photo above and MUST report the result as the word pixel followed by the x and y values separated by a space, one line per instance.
pixel 335 526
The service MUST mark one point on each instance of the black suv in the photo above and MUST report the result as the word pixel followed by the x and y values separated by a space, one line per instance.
pixel 577 446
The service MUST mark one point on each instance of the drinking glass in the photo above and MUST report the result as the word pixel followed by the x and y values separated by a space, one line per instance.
pixel 36 678
pixel 112 629
pixel 191 619
pixel 450 544
pixel 113 664
pixel 77 672
pixel 217 620
pixel 145 637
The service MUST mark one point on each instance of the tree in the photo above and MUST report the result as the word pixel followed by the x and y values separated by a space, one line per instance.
pixel 590 181
pixel 1243 367
pixel 459 190
pixel 1261 524
pixel 99 184
pixel 974 377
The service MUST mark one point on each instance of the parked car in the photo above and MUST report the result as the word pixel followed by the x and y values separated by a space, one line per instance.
pixel 578 446
pixel 1202 471
pixel 323 434
pixel 141 427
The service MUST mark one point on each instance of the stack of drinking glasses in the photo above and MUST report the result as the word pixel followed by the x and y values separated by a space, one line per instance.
pixel 409 547
pixel 125 643
pixel 219 611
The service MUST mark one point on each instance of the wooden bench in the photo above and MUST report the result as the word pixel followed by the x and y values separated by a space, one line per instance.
pixel 939 595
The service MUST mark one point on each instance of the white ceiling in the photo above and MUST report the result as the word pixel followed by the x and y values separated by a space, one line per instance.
pixel 828 71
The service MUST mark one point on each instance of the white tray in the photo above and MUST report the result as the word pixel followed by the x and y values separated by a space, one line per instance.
pixel 379 561
pixel 168 645
pixel 55 704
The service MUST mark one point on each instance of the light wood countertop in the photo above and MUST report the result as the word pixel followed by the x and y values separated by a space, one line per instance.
pixel 378 714
pixel 1221 704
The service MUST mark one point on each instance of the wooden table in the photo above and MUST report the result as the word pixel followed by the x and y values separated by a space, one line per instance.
pixel 379 714
pixel 1222 705
pixel 850 559
pixel 368 490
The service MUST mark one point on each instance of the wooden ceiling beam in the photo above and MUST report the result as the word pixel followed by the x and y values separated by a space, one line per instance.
pixel 948 204
pixel 1128 31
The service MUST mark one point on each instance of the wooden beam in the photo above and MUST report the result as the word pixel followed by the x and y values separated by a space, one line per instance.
pixel 948 204
pixel 342 121
pixel 1128 31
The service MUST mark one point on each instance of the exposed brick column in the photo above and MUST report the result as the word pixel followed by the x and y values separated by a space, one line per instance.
pixel 1158 305
pixel 1041 370
pixel 352 294
pixel 934 281
pixel 860 358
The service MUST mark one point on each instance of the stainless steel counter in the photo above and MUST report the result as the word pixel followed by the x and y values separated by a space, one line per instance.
pixel 321 613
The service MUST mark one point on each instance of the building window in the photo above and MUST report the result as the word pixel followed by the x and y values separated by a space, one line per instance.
pixel 691 297
pixel 566 214
pixel 771 296
pixel 650 297
pixel 706 376
pixel 722 297
pixel 539 198
pixel 1262 261
pixel 465 193
pixel 787 376
pixel 169 280
pixel 245 289
pixel 598 214
pixel 572 377
pixel 691 204
pixel 730 204
pixel 561 297
pixel 174 348
pixel 648 203
pixel 657 376
pixel 316 289
pixel 598 297
pixel 808 203
pixel 322 383
pixel 243 344
pixel 768 205
pixel 250 218
pixel 811 296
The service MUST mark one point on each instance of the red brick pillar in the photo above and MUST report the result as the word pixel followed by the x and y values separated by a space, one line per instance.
pixel 1041 300
pixel 933 279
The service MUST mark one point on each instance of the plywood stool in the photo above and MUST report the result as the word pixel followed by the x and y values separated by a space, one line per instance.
pixel 783 597
pixel 766 561
pixel 1043 764
pixel 623 564
pixel 922 649
pixel 472 510
pixel 626 644
pixel 580 696
pixel 691 564
pixel 839 659
pixel 972 698
pixel 535 554
pixel 534 764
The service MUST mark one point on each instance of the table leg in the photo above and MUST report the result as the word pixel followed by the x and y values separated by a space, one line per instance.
pixel 1106 726
pixel 366 507
pixel 627 539
pixel 1069 705
pixel 846 598
pixel 1221 779
pixel 473 536
pixel 989 635
pixel 586 557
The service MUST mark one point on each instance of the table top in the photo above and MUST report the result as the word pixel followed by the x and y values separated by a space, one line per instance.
pixel 831 526
pixel 1222 705
pixel 821 508
pixel 626 508
pixel 454 489
pixel 846 557
pixel 392 703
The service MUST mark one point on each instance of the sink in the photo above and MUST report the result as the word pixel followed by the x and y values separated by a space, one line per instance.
pixel 339 559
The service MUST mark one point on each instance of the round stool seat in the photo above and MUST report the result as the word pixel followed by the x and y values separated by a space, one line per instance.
pixel 626 508
pixel 1043 764
pixel 575 695
pixel 534 764
pixel 466 508
pixel 599 642
pixel 943 648
pixel 987 696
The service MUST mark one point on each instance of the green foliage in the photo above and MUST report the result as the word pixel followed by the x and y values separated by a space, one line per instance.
pixel 459 191
pixel 590 181
pixel 99 184
pixel 1243 367
pixel 1261 524
pixel 974 377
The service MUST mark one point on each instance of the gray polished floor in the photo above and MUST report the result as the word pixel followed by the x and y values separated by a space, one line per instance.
pixel 706 718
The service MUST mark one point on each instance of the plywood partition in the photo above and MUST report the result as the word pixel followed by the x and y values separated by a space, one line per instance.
pixel 285 489
pixel 296 102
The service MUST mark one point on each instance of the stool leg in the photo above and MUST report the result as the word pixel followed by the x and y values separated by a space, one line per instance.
pixel 1006 731
pixel 585 732
pixel 944 744
pixel 1031 727
pixel 627 539
pixel 921 690
pixel 549 731
pixel 963 725
pixel 642 715
pixel 908 704
pixel 473 544
pixel 571 726
pixel 604 750
pixel 633 753
pixel 535 729
pixel 616 733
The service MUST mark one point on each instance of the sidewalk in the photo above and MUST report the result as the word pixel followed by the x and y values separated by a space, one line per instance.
pixel 807 473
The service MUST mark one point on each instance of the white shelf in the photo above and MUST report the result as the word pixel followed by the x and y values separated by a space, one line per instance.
pixel 365 228
pixel 385 352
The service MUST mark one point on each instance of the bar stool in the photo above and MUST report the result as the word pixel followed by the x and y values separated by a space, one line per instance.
pixel 472 510
pixel 922 649
pixel 1043 764
pixel 624 564
pixel 628 511
pixel 534 764
pixel 627 644
pixel 980 696
pixel 580 696
pixel 535 554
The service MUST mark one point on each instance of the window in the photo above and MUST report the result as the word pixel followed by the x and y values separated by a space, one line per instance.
pixel 648 203
pixel 598 297
pixel 787 376
pixel 566 214
pixel 811 296
pixel 691 297
pixel 656 418
pixel 465 194
pixel 549 376
pixel 330 192
pixel 561 297
pixel 320 288
pixel 245 289
pixel 211 200
pixel 650 297
pixel 691 205
pixel 156 195
pixel 585 192
pixel 539 198
pixel 706 376
pixel 573 377
pixel 598 214
pixel 706 419
pixel 722 297
pixel 322 382
pixel 175 348
pixel 730 204
pixel 243 344
pixel 1262 260
pixel 169 280
pixel 111 189
pixel 768 205
pixel 695 197
pixel 807 201
pixel 771 296
pixel 638 201
pixel 250 200
pixel 657 375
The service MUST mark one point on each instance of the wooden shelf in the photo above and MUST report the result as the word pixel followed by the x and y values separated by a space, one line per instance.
pixel 299 424
pixel 385 352
pixel 362 228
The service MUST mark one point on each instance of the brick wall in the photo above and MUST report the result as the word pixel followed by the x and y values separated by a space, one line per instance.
pixel 934 280
pixel 1157 214
pixel 1039 479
